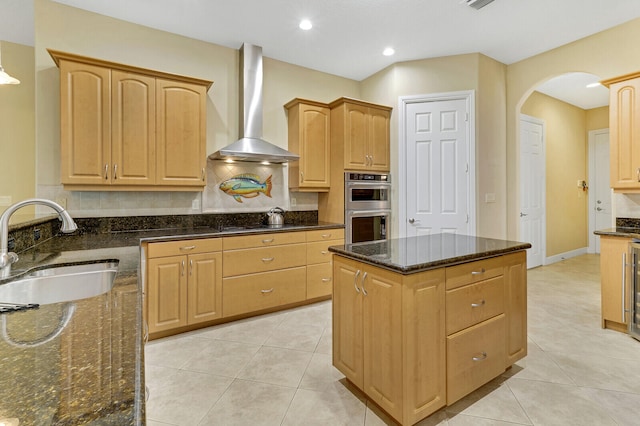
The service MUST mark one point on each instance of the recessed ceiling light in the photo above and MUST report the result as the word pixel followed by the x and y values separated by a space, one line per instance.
pixel 596 84
pixel 388 51
pixel 305 24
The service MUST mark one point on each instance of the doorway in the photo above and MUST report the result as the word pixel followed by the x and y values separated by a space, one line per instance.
pixel 532 188
pixel 437 164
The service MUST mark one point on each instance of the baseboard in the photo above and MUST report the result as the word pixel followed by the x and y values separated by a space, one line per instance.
pixel 566 255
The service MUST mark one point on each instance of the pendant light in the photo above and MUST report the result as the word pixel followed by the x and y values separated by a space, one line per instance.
pixel 4 77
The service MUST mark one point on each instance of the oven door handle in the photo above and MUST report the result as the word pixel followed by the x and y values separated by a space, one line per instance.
pixel 360 213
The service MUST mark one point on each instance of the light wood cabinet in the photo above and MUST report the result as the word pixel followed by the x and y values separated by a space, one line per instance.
pixel 319 266
pixel 183 289
pixel 515 302
pixel 388 336
pixel 624 124
pixel 614 282
pixel 361 130
pixel 127 128
pixel 309 136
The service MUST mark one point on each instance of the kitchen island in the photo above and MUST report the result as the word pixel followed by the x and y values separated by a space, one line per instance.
pixel 420 322
pixel 82 361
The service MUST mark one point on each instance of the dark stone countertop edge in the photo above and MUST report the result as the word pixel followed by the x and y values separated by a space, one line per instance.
pixel 619 231
pixel 421 267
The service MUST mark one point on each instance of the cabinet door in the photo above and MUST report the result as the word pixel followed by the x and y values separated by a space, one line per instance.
pixel 85 126
pixel 133 145
pixel 205 287
pixel 515 295
pixel 314 146
pixel 613 252
pixel 624 120
pixel 347 320
pixel 382 344
pixel 379 144
pixel 356 138
pixel 180 133
pixel 167 293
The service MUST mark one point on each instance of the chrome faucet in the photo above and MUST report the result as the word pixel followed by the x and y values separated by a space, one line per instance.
pixel 7 257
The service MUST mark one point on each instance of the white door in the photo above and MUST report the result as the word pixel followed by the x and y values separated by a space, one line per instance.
pixel 600 216
pixel 532 188
pixel 437 192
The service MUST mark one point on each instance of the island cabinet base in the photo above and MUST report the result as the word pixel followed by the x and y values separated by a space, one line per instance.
pixel 414 343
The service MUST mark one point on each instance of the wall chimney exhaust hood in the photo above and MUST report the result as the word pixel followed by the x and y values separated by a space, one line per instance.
pixel 251 146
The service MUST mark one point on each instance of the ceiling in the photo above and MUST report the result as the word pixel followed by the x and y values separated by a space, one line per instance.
pixel 349 36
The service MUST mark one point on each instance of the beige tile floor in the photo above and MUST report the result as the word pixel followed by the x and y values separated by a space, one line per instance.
pixel 276 369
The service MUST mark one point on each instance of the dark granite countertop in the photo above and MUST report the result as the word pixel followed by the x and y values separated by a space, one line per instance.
pixel 416 254
pixel 620 231
pixel 82 362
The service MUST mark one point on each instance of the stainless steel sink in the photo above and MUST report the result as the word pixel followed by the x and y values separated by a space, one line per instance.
pixel 60 284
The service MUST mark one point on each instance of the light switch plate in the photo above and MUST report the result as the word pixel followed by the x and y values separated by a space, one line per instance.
pixel 490 197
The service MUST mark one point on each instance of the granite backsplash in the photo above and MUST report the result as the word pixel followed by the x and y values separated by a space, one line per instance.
pixel 26 235
pixel 627 222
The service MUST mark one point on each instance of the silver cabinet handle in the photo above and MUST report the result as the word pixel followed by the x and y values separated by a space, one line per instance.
pixel 325 236
pixel 326 280
pixel 203 175
pixel 480 272
pixel 482 357
pixel 638 173
pixel 191 267
pixel 115 171
pixel 106 171
pixel 182 268
pixel 267 241
pixel 187 248
pixel 267 291
pixel 145 337
pixel 268 259
pixel 624 287
pixel 355 281
pixel 477 305
pixel 301 176
pixel 323 252
pixel 364 290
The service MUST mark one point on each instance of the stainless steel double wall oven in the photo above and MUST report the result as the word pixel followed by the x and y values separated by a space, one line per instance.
pixel 367 200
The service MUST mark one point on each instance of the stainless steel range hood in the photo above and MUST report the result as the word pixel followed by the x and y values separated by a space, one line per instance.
pixel 251 146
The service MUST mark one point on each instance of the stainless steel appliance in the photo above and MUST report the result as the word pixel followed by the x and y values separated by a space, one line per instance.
pixel 631 301
pixel 367 201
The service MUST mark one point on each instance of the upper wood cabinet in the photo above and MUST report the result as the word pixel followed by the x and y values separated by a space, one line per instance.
pixel 361 130
pixel 624 123
pixel 128 128
pixel 309 137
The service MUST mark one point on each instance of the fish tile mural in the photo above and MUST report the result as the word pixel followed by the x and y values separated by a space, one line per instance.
pixel 244 187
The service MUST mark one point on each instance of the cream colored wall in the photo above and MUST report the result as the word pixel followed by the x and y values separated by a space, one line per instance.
pixel 566 163
pixel 607 54
pixel 598 118
pixel 451 74
pixel 77 31
pixel 17 127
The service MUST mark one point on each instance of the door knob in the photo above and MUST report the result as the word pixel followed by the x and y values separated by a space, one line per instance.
pixel 523 214
pixel 598 209
pixel 599 202
pixel 412 220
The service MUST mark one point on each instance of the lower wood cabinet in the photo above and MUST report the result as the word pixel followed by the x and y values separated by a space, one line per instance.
pixel 319 269
pixel 614 282
pixel 183 289
pixel 388 336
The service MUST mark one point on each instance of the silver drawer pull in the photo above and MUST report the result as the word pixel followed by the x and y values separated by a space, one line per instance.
pixel 481 271
pixel 267 259
pixel 477 305
pixel 324 252
pixel 326 236
pixel 326 280
pixel 482 357
pixel 355 281
pixel 267 241
pixel 267 291
pixel 186 248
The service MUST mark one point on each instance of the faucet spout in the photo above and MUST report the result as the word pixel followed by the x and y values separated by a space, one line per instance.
pixel 7 258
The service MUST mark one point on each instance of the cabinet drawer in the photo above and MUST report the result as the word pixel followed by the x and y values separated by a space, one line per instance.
pixel 325 234
pixel 263 240
pixel 248 293
pixel 318 252
pixel 469 273
pixel 173 248
pixel 474 357
pixel 319 280
pixel 474 303
pixel 248 261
